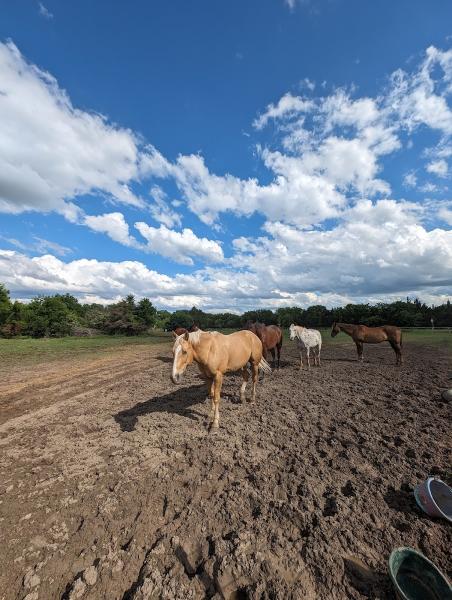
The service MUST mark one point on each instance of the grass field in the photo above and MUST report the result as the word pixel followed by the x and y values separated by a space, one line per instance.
pixel 29 350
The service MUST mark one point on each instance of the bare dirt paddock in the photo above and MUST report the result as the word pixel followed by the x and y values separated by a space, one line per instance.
pixel 110 486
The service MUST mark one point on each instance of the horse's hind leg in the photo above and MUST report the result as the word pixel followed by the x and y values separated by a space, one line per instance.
pixel 245 376
pixel 308 357
pixel 255 374
pixel 398 352
pixel 272 351
pixel 278 352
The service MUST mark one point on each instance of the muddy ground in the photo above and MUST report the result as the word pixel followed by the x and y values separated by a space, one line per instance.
pixel 110 486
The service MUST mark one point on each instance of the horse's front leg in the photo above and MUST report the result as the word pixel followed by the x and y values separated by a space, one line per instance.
pixel 308 356
pixel 218 382
pixel 301 357
pixel 359 348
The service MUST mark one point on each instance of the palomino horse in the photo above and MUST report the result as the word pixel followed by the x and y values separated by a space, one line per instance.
pixel 271 337
pixel 372 335
pixel 307 340
pixel 216 354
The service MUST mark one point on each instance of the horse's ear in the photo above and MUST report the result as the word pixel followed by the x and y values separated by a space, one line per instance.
pixel 186 336
pixel 174 335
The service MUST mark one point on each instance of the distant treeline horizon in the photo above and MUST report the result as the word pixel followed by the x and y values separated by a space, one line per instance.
pixel 63 314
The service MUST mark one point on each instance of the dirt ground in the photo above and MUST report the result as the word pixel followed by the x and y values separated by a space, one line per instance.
pixel 111 487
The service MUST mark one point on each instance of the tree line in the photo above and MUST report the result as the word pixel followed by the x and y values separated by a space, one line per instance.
pixel 62 314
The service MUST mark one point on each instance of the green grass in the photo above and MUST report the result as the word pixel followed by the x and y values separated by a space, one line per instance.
pixel 29 350
pixel 438 337
pixel 33 351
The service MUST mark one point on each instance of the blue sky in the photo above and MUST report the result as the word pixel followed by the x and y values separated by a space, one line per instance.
pixel 228 155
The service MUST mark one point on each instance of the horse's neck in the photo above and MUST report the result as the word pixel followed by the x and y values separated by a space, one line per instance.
pixel 200 350
pixel 347 328
pixel 299 332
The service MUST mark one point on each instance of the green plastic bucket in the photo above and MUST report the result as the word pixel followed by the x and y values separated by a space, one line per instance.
pixel 417 578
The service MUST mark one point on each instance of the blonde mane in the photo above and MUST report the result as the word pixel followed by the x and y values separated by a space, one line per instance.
pixel 194 337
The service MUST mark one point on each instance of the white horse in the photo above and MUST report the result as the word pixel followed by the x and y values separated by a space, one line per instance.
pixel 307 340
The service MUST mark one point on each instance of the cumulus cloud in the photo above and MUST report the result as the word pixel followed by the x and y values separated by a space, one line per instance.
pixel 180 246
pixel 378 248
pixel 51 152
pixel 380 251
pixel 438 167
pixel 112 224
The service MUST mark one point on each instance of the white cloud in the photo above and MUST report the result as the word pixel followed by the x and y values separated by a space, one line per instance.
pixel 51 152
pixel 112 224
pixel 180 246
pixel 417 98
pixel 39 245
pixel 288 106
pixel 429 188
pixel 438 167
pixel 44 12
pixel 445 214
pixel 379 252
pixel 410 179
pixel 160 209
pixel 377 248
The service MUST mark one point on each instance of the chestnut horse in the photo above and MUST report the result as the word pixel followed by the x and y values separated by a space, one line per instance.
pixel 271 337
pixel 372 335
pixel 216 354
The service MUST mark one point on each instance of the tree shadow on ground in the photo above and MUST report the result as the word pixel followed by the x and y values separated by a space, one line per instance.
pixel 178 402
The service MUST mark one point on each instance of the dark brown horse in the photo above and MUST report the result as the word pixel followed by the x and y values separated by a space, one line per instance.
pixel 372 335
pixel 271 337
pixel 181 330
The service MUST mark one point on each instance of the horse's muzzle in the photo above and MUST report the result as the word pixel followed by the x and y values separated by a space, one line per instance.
pixel 176 378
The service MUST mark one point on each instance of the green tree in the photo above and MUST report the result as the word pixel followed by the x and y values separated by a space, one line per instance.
pixel 48 316
pixel 146 313
pixel 121 318
pixel 5 304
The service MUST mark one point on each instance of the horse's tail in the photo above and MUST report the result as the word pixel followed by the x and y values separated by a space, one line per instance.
pixel 401 338
pixel 264 366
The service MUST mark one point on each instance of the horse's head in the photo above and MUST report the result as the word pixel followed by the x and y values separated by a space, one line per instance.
pixel 182 356
pixel 292 332
pixel 335 329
